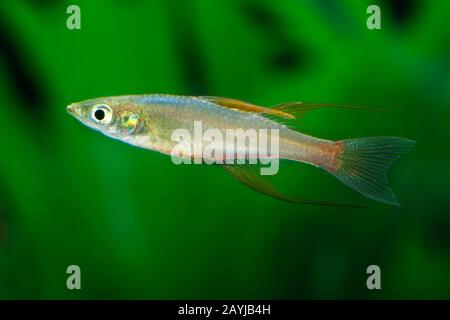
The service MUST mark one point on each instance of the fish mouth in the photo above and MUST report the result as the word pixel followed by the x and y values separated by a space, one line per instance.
pixel 70 109
pixel 74 110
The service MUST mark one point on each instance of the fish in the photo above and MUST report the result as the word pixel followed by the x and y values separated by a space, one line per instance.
pixel 148 121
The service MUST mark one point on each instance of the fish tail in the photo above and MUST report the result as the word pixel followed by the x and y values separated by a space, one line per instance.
pixel 362 164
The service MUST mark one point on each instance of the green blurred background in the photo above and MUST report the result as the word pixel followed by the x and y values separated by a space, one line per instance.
pixel 140 227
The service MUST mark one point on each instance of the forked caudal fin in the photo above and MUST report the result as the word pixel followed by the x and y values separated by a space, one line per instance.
pixel 364 162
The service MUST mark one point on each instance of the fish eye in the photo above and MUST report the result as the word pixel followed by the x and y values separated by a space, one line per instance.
pixel 102 114
pixel 99 114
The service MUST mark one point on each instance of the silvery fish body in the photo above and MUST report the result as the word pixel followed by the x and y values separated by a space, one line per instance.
pixel 150 121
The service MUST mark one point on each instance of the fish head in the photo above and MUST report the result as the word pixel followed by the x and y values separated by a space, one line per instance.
pixel 115 117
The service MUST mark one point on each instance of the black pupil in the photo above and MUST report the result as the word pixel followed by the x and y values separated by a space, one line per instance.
pixel 99 114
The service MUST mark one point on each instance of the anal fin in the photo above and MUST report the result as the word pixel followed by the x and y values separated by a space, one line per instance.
pixel 250 178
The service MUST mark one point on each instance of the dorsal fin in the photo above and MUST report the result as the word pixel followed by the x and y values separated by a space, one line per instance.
pixel 298 109
pixel 247 107
pixel 288 110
